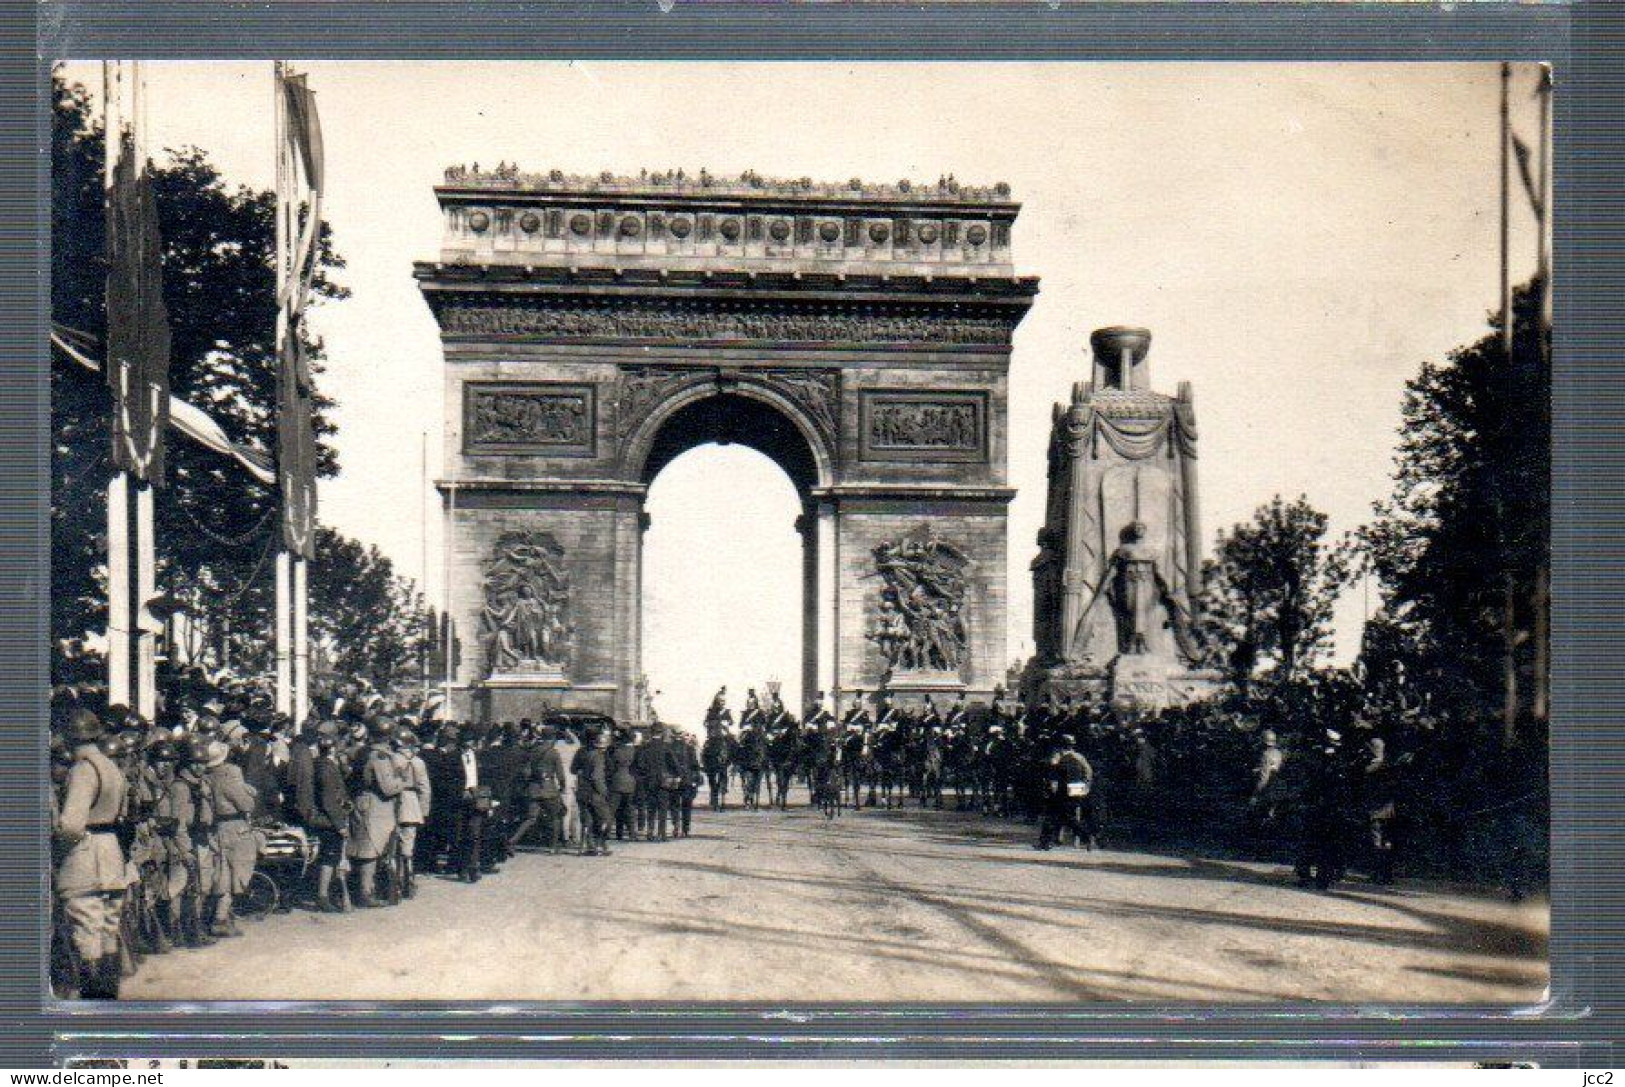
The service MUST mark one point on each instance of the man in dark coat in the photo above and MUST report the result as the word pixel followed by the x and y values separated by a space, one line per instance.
pixel 442 760
pixel 688 756
pixel 299 777
pixel 501 769
pixel 329 819
pixel 471 801
pixel 591 768
pixel 660 770
pixel 623 785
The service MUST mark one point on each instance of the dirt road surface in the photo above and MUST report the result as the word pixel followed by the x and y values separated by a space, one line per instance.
pixel 775 907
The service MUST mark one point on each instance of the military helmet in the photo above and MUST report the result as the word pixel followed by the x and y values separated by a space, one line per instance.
pixel 195 751
pixel 84 727
pixel 162 751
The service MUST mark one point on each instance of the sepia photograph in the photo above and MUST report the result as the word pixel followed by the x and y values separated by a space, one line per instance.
pixel 775 533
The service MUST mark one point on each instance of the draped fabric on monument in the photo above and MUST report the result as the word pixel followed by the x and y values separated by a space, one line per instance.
pixel 594 328
pixel 1119 563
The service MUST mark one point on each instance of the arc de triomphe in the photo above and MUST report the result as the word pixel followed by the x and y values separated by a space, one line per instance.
pixel 596 328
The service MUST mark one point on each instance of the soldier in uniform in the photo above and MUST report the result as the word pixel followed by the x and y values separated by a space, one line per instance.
pixel 623 784
pixel 330 808
pixel 206 864
pixel 90 877
pixel 719 713
pixel 592 793
pixel 752 758
pixel 688 757
pixel 1065 783
pixel 544 791
pixel 662 775
pixel 172 849
pixel 783 752
pixel 412 806
pixel 859 761
pixel 374 785
pixel 238 851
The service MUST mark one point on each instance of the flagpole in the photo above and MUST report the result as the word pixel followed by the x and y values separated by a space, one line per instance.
pixel 301 640
pixel 446 628
pixel 423 556
pixel 1543 572
pixel 1509 626
pixel 146 571
pixel 118 485
pixel 1506 214
pixel 284 618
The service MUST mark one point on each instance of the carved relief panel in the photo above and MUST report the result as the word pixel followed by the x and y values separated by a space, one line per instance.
pixel 936 426
pixel 919 625
pixel 534 418
pixel 525 623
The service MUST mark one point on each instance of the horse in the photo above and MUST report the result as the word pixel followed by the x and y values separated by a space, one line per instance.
pixel 931 762
pixel 825 774
pixel 783 754
pixel 751 758
pixel 855 763
pixel 716 757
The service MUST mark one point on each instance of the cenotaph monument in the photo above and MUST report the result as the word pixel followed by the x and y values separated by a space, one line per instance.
pixel 1120 556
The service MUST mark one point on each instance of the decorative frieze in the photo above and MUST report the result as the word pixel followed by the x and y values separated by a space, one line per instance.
pixel 543 418
pixel 770 321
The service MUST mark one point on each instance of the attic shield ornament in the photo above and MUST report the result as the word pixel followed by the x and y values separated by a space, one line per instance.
pixel 525 622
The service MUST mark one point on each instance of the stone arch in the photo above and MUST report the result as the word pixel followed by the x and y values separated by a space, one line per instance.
pixel 714 405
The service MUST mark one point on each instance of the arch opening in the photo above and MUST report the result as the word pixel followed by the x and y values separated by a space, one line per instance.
pixel 723 592
pixel 734 419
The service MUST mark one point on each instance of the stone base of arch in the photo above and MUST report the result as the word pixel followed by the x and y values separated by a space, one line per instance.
pixel 601 531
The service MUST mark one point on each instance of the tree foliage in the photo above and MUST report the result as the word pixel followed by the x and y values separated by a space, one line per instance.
pixel 1270 591
pixel 215 524
pixel 1466 529
pixel 370 623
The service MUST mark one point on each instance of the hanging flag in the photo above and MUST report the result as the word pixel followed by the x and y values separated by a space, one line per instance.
pixel 137 322
pixel 185 418
pixel 299 204
pixel 1521 151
